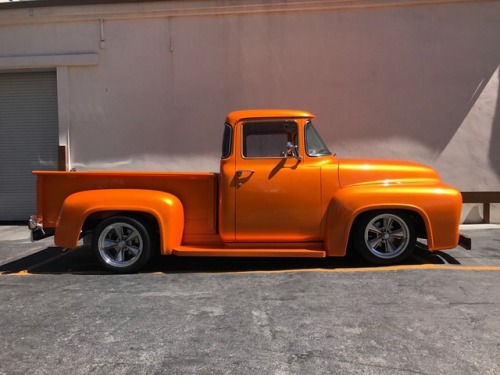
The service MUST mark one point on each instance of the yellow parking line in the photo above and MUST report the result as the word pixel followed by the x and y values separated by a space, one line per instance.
pixel 384 269
pixel 360 269
pixel 19 273
pixel 329 270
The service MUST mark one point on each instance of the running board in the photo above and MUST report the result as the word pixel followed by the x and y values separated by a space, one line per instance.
pixel 194 251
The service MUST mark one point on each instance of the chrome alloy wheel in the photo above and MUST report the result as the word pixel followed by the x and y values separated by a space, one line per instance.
pixel 387 236
pixel 120 244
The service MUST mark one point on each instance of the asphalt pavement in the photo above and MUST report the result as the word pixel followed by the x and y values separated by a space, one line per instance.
pixel 437 313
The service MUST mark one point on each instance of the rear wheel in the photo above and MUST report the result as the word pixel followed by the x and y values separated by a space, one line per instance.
pixel 384 237
pixel 122 244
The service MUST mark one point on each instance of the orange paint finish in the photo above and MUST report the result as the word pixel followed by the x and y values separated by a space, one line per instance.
pixel 226 203
pixel 166 209
pixel 279 193
pixel 196 191
pixel 272 199
pixel 393 185
pixel 258 114
pixel 257 251
pixel 438 205
pixel 113 192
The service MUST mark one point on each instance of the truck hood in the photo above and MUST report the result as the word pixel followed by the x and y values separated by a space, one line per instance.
pixel 386 172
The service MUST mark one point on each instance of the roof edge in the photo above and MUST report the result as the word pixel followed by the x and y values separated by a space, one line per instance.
pixel 237 116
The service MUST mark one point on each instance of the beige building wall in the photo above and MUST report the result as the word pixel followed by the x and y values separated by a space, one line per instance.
pixel 147 85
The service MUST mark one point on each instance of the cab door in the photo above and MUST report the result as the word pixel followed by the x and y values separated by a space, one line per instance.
pixel 278 196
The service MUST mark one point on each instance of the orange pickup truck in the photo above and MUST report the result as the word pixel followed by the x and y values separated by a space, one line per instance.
pixel 280 193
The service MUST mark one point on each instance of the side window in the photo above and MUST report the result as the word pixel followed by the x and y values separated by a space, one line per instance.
pixel 268 139
pixel 227 141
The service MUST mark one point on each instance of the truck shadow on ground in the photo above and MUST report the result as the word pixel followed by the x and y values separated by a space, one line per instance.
pixel 53 260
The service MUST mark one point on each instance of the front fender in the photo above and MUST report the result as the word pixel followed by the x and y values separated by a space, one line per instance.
pixel 438 205
pixel 164 207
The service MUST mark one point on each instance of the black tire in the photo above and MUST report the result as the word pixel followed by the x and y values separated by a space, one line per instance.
pixel 384 237
pixel 122 244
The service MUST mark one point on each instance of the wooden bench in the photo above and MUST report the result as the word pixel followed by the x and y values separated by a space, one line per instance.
pixel 484 197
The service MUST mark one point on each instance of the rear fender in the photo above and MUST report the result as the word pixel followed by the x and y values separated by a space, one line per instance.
pixel 438 206
pixel 164 207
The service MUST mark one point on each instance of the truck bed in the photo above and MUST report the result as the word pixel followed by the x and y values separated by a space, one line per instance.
pixel 196 191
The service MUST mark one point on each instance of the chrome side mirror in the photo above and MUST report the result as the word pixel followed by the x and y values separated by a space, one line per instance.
pixel 292 151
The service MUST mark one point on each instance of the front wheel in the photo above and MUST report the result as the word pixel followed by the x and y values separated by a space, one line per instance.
pixel 384 237
pixel 122 244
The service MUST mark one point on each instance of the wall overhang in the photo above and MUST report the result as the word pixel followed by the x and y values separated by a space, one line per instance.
pixel 81 10
pixel 48 61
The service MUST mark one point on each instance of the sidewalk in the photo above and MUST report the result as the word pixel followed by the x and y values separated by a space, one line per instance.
pixel 479 226
pixel 14 233
pixel 15 243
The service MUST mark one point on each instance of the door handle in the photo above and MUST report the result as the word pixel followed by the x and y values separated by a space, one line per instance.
pixel 240 172
pixel 241 180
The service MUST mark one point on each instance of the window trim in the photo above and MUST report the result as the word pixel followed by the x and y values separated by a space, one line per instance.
pixel 227 148
pixel 280 121
pixel 306 149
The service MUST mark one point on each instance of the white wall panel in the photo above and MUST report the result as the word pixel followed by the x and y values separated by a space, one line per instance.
pixel 386 79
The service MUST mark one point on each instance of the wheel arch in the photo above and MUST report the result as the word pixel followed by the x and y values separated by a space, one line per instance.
pixel 342 214
pixel 84 210
pixel 415 214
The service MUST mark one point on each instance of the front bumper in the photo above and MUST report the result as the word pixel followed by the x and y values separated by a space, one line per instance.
pixel 465 242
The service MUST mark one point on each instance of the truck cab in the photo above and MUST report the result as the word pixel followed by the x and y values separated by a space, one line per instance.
pixel 271 178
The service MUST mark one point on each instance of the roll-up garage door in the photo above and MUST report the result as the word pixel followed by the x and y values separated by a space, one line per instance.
pixel 28 138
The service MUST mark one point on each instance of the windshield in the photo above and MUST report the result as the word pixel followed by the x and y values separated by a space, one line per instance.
pixel 314 144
